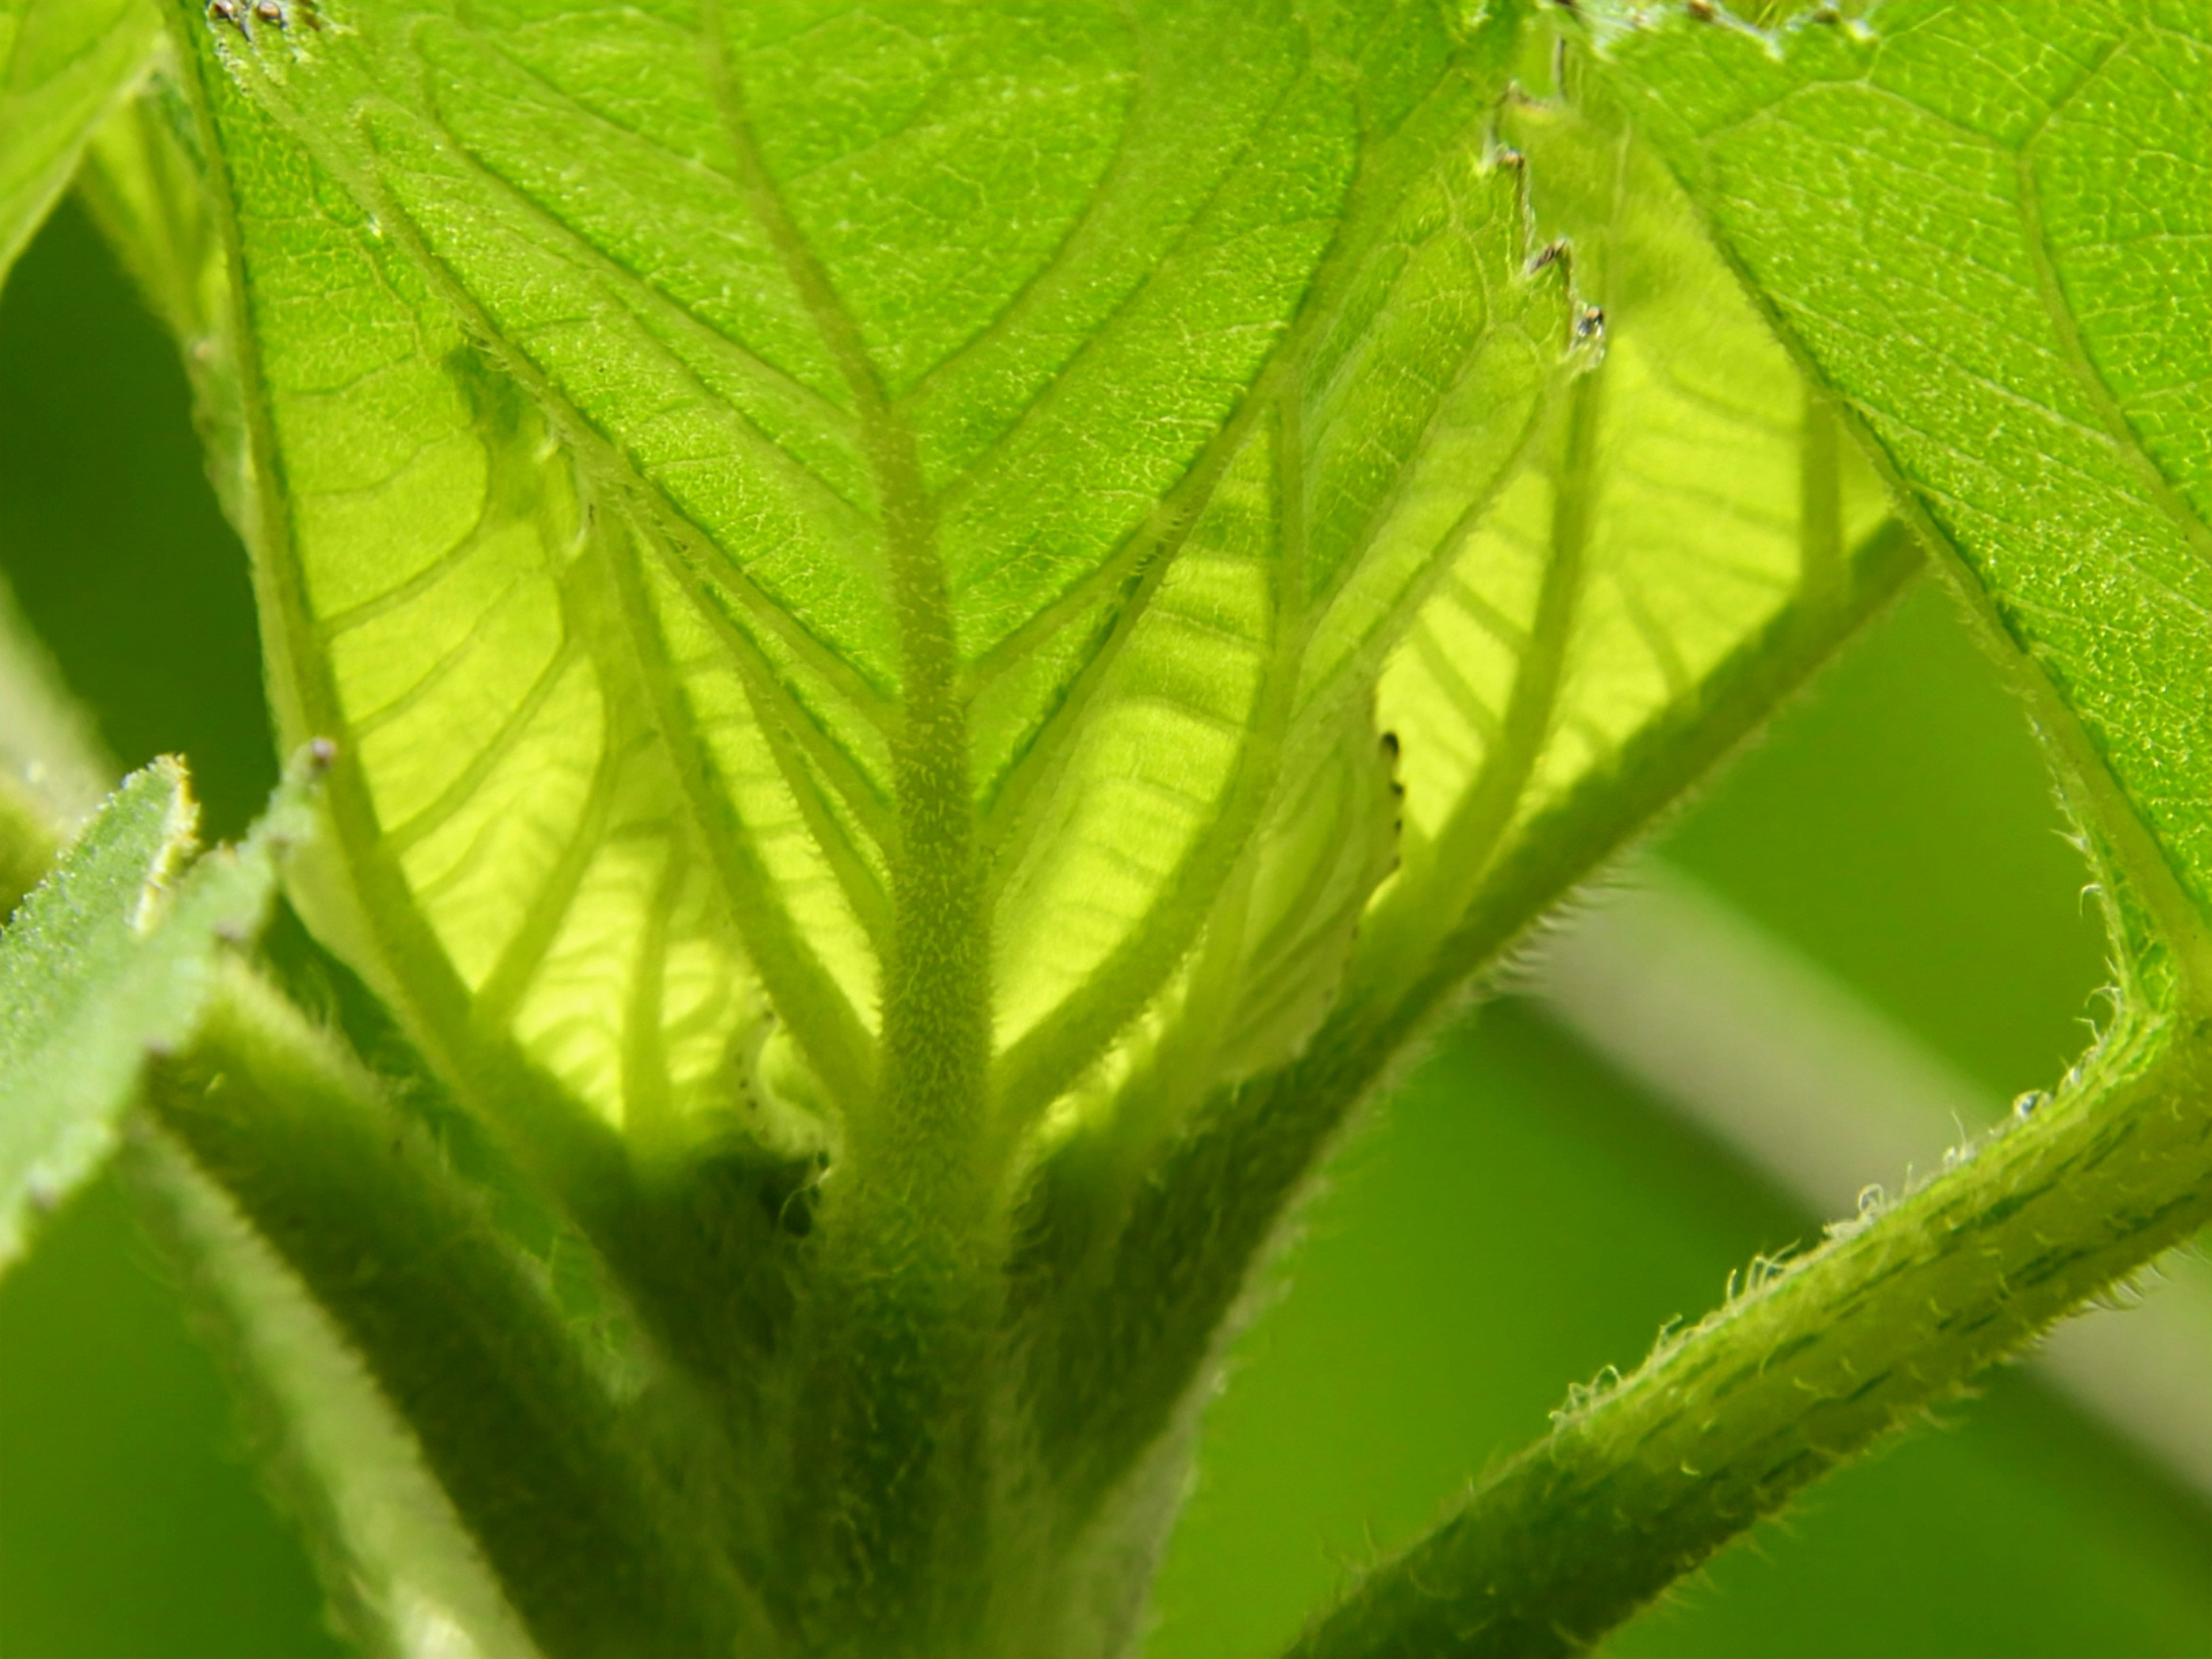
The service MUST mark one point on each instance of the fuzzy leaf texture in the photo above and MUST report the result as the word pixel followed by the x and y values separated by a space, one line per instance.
pixel 1986 228
pixel 108 961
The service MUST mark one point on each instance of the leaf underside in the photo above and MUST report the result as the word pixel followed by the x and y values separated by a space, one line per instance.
pixel 597 354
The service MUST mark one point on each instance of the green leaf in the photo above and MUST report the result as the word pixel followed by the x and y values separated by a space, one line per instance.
pixel 1692 502
pixel 1986 228
pixel 587 491
pixel 63 65
pixel 52 773
pixel 674 560
pixel 108 961
pixel 77 1007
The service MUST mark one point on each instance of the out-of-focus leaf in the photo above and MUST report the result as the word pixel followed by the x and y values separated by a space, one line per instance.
pixel 77 1007
pixel 46 743
pixel 404 1580
pixel 63 64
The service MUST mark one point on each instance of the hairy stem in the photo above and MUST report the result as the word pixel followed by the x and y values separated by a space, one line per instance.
pixel 541 1453
pixel 904 1332
pixel 1808 1367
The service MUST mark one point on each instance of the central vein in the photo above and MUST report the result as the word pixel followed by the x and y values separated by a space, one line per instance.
pixel 908 1258
pixel 936 1008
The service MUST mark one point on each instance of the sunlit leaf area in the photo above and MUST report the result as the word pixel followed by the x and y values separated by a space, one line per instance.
pixel 947 828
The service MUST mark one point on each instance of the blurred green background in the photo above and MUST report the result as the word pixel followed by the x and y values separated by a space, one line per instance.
pixel 1518 1217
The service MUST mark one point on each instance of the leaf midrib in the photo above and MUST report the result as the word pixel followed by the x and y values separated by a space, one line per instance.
pixel 934 1045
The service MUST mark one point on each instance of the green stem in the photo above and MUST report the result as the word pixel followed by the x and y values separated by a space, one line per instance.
pixel 894 1429
pixel 540 1452
pixel 1803 1371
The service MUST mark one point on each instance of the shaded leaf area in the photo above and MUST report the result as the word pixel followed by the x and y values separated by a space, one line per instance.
pixel 63 66
pixel 51 772
pixel 110 960
pixel 1987 227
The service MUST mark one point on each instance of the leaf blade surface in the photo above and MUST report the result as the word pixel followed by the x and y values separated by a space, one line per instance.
pixel 1985 227
pixel 1073 426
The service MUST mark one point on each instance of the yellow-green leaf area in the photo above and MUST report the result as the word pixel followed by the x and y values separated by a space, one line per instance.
pixel 63 66
pixel 1684 504
pixel 648 398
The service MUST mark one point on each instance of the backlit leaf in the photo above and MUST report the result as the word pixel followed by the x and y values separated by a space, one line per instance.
pixel 1691 502
pixel 708 449
pixel 63 64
